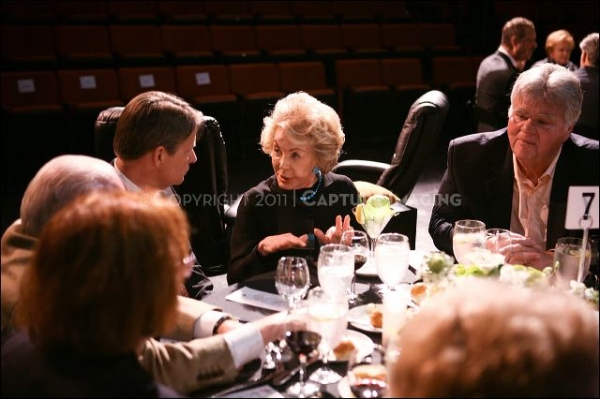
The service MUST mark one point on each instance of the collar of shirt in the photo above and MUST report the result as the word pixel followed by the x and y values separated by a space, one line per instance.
pixel 131 186
pixel 530 203
pixel 503 50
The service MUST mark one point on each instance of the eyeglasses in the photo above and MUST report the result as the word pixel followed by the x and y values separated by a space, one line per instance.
pixel 190 260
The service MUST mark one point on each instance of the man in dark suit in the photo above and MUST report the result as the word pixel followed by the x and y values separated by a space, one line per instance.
pixel 154 143
pixel 498 71
pixel 518 177
pixel 587 124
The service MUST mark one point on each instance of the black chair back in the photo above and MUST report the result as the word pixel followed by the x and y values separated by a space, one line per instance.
pixel 418 137
pixel 420 133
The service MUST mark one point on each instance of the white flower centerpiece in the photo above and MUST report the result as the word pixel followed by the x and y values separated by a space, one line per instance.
pixel 438 271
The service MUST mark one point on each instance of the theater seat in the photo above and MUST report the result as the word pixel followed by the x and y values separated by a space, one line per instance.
pixel 202 194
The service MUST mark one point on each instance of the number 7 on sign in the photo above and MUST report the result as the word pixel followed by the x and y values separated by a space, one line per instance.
pixel 582 208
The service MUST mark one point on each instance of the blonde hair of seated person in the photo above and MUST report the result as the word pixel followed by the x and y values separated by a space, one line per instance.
pixel 306 120
pixel 488 339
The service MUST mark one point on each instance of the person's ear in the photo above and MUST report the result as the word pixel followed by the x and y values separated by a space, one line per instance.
pixel 159 154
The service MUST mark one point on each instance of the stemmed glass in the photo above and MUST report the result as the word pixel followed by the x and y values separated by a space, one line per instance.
pixel 358 241
pixel 468 236
pixel 335 268
pixel 303 341
pixel 292 278
pixel 367 376
pixel 391 258
pixel 374 216
pixel 327 315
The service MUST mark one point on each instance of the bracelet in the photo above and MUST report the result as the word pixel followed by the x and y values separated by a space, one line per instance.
pixel 221 321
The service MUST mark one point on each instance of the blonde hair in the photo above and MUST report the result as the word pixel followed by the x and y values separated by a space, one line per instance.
pixel 557 37
pixel 306 120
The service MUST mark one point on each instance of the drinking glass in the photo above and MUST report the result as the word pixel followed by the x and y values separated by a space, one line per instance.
pixel 292 278
pixel 498 241
pixel 367 377
pixel 468 236
pixel 567 254
pixel 335 269
pixel 374 216
pixel 327 315
pixel 303 341
pixel 391 258
pixel 358 241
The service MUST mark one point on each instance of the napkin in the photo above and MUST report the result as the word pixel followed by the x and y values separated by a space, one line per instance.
pixel 260 299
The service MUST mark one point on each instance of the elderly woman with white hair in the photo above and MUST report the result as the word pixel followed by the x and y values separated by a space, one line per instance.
pixel 303 204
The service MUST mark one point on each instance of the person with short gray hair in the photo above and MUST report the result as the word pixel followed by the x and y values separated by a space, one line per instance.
pixel 487 339
pixel 518 178
pixel 587 124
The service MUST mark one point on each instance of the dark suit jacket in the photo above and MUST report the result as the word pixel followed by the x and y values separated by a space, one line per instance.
pixel 478 184
pixel 495 78
pixel 587 124
pixel 29 372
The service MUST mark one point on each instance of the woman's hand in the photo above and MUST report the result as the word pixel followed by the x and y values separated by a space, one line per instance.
pixel 280 242
pixel 334 233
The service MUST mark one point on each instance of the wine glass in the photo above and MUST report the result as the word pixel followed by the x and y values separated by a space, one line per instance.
pixel 327 316
pixel 292 278
pixel 367 376
pixel 468 236
pixel 358 241
pixel 303 341
pixel 391 258
pixel 335 269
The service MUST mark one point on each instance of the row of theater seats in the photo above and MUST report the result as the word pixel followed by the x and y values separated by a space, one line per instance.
pixel 84 46
pixel 220 11
pixel 371 95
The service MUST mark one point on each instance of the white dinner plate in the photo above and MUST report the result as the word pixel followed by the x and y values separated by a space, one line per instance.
pixel 364 345
pixel 344 389
pixel 360 318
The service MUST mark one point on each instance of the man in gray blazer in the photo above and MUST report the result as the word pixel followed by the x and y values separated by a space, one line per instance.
pixel 518 177
pixel 212 346
pixel 498 71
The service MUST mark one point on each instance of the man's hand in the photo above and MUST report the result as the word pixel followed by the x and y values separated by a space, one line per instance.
pixel 271 327
pixel 523 251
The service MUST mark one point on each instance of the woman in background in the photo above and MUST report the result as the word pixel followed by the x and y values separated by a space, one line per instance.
pixel 559 45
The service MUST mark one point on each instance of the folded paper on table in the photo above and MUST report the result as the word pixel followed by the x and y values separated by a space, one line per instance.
pixel 260 299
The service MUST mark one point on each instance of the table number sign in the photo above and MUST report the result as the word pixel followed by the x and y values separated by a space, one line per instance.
pixel 582 208
pixel 582 214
